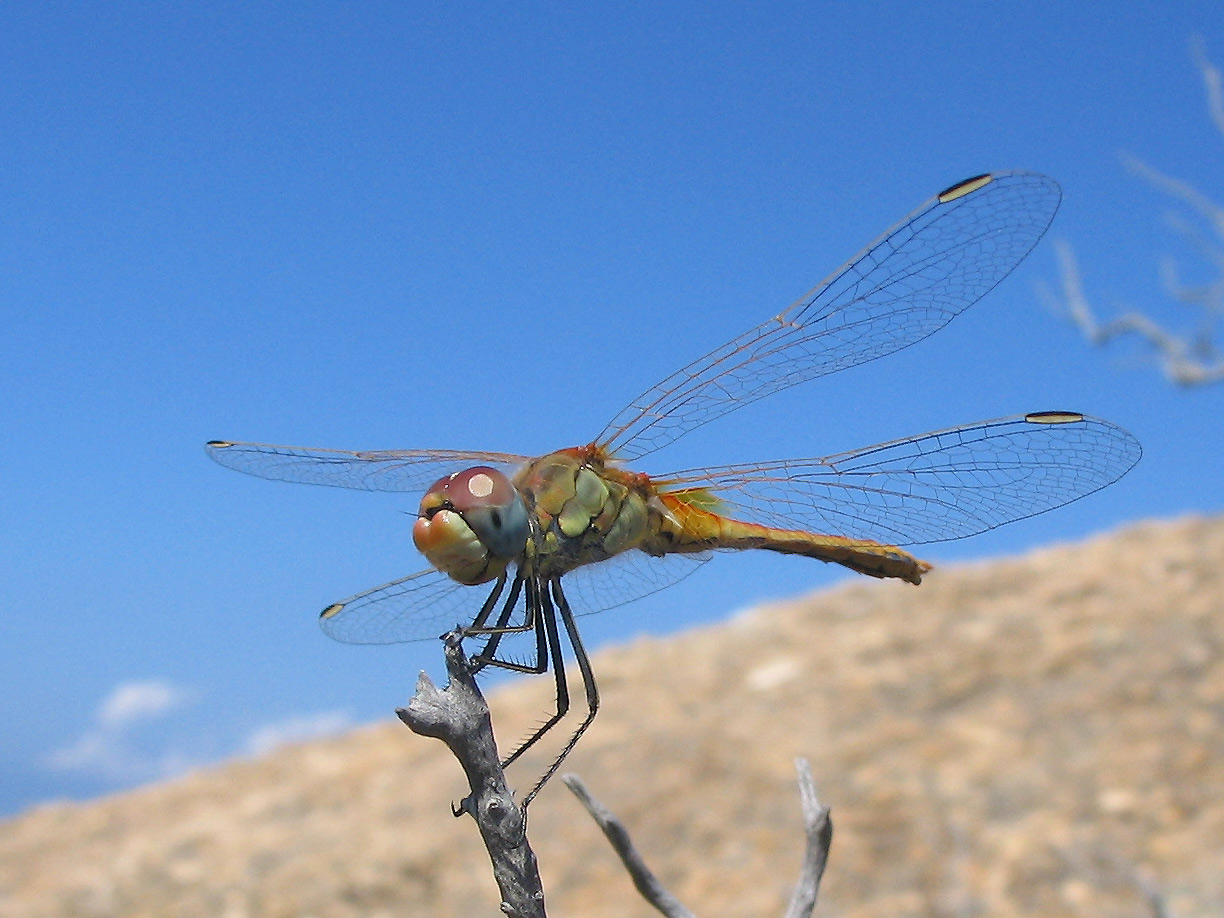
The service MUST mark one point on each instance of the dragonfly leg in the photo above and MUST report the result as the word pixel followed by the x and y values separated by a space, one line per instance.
pixel 588 683
pixel 486 610
pixel 533 621
pixel 548 649
pixel 488 654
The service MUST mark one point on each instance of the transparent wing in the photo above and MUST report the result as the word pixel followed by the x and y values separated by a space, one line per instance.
pixel 942 485
pixel 626 577
pixel 428 604
pixel 907 284
pixel 416 608
pixel 380 470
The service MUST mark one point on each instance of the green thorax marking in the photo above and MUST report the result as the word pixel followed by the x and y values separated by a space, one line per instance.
pixel 585 511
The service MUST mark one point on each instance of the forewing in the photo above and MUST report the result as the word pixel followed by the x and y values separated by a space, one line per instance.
pixel 379 470
pixel 948 484
pixel 419 607
pixel 910 282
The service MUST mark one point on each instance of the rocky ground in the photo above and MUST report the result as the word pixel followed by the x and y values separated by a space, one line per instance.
pixel 1035 736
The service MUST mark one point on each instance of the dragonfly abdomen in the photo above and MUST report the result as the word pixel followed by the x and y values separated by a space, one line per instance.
pixel 684 527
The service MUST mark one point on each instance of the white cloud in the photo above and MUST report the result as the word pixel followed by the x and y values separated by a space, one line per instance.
pixel 131 736
pixel 297 729
pixel 108 756
pixel 136 701
pixel 92 752
pixel 108 750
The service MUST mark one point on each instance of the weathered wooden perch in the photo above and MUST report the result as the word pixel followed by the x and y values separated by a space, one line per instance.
pixel 459 716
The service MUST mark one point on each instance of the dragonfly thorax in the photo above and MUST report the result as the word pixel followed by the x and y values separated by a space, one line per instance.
pixel 583 510
pixel 472 524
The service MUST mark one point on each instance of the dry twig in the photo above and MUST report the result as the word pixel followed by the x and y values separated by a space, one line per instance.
pixel 817 824
pixel 1186 359
pixel 618 836
pixel 458 715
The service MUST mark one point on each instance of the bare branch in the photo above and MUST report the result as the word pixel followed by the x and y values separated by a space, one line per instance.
pixel 1153 895
pixel 1184 191
pixel 458 715
pixel 1186 359
pixel 1105 862
pixel 618 836
pixel 1212 82
pixel 1187 362
pixel 817 824
pixel 819 828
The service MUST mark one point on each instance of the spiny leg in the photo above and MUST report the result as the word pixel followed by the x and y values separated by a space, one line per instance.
pixel 548 648
pixel 478 623
pixel 487 655
pixel 588 682
pixel 533 620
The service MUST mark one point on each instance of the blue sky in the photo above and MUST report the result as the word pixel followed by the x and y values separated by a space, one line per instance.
pixel 383 225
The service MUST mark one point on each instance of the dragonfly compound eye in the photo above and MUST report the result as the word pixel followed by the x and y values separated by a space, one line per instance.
pixel 472 524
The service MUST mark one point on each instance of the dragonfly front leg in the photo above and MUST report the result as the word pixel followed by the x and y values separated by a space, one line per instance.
pixel 488 654
pixel 532 621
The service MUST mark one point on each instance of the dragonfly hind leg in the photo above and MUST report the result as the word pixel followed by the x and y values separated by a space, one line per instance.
pixel 544 602
pixel 549 651
pixel 588 683
pixel 540 617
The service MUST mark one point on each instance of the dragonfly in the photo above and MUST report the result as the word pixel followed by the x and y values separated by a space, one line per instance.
pixel 580 522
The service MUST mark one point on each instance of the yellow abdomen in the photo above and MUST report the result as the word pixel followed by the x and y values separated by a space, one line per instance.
pixel 688 527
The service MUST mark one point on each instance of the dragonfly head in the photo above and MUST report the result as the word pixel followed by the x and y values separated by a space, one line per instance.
pixel 472 524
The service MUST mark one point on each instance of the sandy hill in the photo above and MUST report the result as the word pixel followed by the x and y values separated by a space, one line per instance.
pixel 1035 736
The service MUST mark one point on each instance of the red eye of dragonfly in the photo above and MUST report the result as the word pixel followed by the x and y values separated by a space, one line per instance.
pixel 471 525
pixel 527 523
